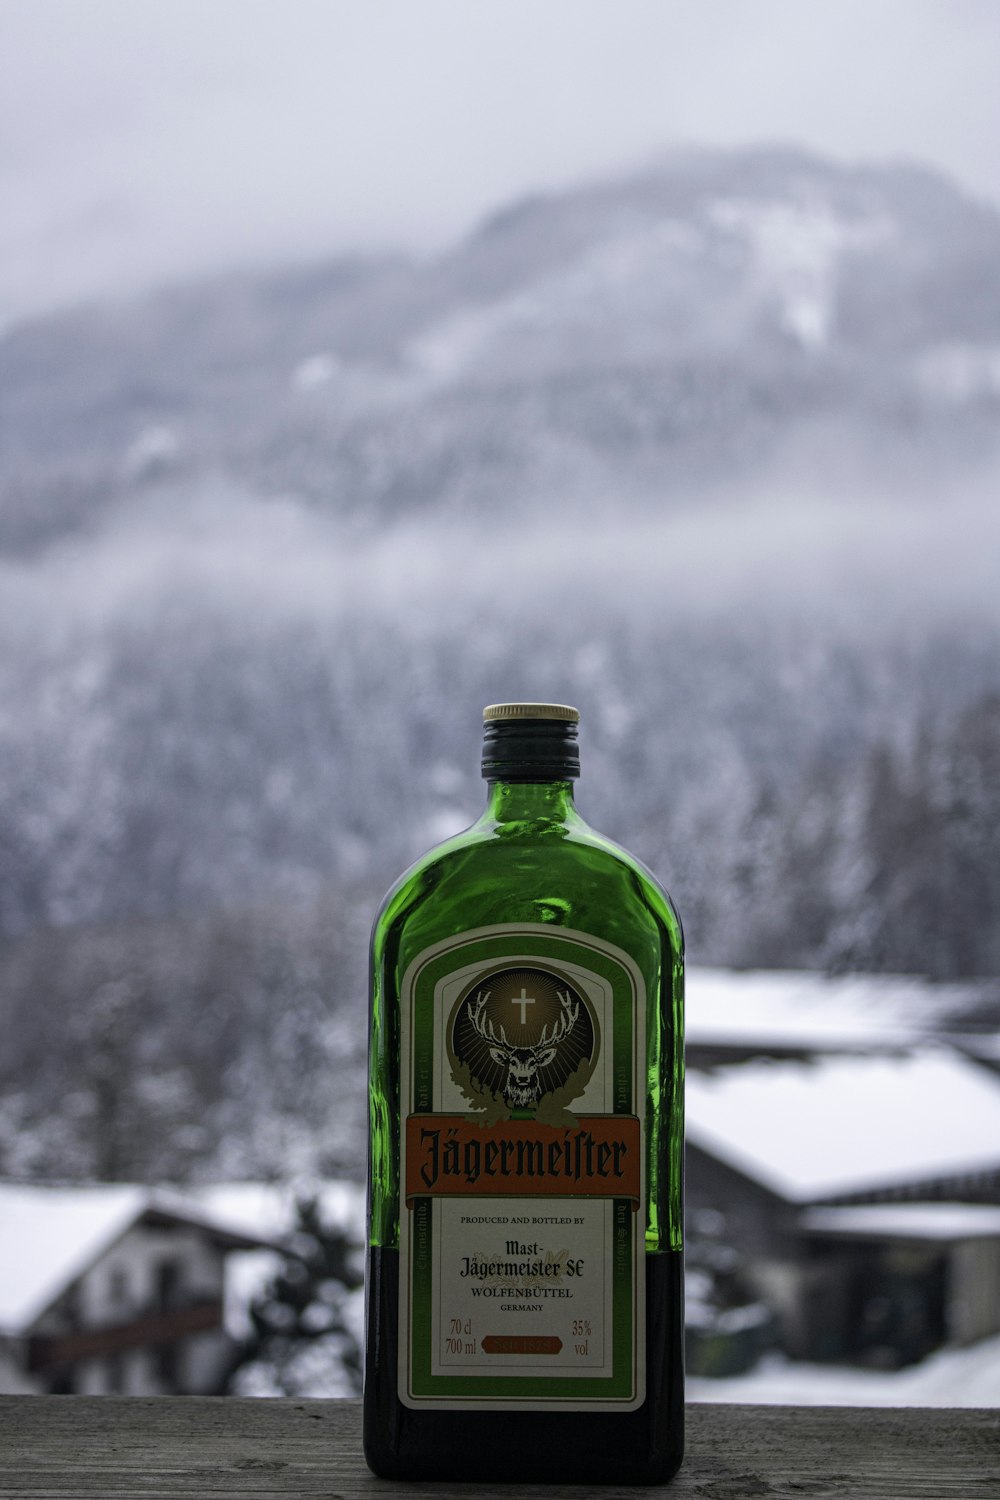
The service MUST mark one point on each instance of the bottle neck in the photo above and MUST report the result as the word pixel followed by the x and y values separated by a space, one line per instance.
pixel 531 747
pixel 511 804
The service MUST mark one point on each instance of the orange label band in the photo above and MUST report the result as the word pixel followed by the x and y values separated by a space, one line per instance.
pixel 521 1343
pixel 452 1156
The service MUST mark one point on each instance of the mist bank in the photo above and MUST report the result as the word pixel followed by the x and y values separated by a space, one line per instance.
pixel 236 704
pixel 782 546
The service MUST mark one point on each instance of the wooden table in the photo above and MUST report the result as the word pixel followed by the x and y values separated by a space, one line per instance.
pixel 73 1447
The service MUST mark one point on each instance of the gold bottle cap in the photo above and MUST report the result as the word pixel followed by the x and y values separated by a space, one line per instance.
pixel 497 711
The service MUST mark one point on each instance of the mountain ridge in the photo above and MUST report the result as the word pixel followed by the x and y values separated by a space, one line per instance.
pixel 727 301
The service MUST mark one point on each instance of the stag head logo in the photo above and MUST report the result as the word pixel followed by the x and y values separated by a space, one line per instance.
pixel 519 1036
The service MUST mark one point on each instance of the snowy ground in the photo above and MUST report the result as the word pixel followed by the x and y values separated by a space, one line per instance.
pixel 953 1377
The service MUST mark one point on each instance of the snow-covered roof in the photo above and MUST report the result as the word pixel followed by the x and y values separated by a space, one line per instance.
pixel 946 1222
pixel 810 1130
pixel 794 1009
pixel 49 1236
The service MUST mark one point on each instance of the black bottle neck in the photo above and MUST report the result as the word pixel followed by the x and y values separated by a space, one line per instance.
pixel 525 750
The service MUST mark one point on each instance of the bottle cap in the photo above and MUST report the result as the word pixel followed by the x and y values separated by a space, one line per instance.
pixel 497 712
pixel 530 742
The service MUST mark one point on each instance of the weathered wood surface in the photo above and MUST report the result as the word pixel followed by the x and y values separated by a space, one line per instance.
pixel 74 1447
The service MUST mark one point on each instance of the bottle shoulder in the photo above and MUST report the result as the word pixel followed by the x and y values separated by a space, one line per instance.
pixel 571 876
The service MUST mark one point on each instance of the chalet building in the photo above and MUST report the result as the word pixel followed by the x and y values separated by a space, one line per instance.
pixel 908 1278
pixel 115 1289
pixel 863 1193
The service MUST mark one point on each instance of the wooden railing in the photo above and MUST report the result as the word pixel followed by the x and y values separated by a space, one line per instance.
pixel 79 1447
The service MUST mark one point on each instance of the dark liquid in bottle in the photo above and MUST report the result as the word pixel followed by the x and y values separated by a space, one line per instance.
pixel 644 1446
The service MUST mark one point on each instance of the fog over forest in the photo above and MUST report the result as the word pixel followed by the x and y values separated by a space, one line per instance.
pixel 708 449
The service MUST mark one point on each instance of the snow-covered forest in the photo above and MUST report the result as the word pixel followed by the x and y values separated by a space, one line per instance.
pixel 708 449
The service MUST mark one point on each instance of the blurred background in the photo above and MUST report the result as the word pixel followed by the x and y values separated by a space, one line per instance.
pixel 364 364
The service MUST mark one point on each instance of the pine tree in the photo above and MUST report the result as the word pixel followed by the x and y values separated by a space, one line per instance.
pixel 301 1341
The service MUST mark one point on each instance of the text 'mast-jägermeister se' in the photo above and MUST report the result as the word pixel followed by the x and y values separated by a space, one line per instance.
pixel 525 1288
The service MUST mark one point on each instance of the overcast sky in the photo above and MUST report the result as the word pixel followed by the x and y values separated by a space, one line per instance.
pixel 143 140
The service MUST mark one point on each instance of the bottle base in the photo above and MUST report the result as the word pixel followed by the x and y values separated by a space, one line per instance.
pixel 640 1447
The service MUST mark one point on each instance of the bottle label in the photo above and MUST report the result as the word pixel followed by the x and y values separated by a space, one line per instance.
pixel 523 1173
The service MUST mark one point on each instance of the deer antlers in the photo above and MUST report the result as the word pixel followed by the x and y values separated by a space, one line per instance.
pixel 560 1030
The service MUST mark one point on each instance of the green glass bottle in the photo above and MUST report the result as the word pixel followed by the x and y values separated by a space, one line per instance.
pixel 525 1280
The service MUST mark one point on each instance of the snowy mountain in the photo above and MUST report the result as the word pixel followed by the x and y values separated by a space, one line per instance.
pixel 952 1377
pixel 626 342
pixel 710 449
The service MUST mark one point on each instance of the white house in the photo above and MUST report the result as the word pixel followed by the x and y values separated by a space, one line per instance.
pixel 806 1158
pixel 113 1289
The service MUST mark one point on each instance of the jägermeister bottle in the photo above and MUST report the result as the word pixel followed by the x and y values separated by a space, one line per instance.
pixel 525 1281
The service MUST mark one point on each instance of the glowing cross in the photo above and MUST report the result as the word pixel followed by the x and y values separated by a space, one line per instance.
pixel 523 1001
